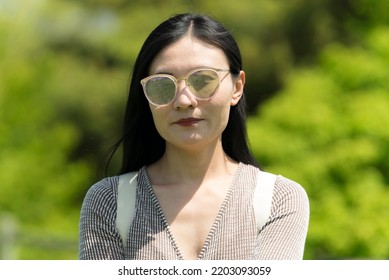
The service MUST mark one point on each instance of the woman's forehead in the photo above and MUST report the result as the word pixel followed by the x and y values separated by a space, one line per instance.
pixel 187 54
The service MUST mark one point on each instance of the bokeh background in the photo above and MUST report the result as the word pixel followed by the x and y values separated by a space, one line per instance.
pixel 318 91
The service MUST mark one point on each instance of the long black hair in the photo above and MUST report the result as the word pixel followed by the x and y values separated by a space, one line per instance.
pixel 141 143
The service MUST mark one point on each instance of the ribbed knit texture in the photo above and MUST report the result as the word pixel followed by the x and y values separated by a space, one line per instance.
pixel 233 235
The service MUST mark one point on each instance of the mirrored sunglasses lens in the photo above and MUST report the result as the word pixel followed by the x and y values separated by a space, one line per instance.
pixel 203 83
pixel 160 90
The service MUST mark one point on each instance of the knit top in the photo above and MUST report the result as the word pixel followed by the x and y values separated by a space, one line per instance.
pixel 233 235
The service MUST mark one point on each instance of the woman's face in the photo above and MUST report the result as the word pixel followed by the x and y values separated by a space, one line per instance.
pixel 187 122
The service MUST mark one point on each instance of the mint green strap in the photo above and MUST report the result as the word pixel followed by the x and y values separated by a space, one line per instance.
pixel 263 195
pixel 126 203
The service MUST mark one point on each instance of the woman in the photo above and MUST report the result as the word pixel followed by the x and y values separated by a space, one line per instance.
pixel 185 134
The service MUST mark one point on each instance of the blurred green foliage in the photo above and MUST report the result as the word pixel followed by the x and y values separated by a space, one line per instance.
pixel 317 91
pixel 328 130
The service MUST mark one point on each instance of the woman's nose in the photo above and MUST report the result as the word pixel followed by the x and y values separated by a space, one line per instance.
pixel 182 84
pixel 184 97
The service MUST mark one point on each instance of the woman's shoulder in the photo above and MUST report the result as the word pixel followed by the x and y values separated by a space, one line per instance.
pixel 284 188
pixel 103 191
pixel 290 197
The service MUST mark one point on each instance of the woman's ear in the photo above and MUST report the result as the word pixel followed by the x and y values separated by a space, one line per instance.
pixel 238 88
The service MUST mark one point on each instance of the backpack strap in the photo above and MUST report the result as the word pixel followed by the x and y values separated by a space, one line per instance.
pixel 126 203
pixel 263 195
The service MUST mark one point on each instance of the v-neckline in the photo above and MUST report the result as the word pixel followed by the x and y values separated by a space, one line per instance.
pixel 215 223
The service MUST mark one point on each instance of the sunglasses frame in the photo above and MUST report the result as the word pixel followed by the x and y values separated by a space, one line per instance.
pixel 184 78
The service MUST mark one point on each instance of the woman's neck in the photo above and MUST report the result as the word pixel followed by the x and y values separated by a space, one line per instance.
pixel 191 167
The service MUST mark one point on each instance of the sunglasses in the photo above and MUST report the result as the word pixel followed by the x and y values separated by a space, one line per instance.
pixel 161 89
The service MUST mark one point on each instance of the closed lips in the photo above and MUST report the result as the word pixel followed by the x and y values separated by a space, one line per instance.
pixel 188 121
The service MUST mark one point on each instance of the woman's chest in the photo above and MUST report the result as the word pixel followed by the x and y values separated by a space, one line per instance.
pixel 206 228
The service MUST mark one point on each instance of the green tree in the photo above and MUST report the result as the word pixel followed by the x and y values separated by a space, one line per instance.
pixel 328 130
pixel 39 182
